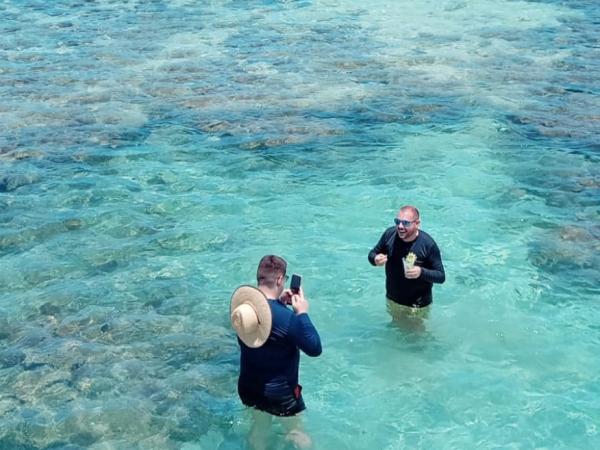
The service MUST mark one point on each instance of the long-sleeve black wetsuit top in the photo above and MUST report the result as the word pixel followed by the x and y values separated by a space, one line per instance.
pixel 398 288
pixel 271 371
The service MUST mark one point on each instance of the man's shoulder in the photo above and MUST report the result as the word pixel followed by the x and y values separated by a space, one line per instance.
pixel 426 238
pixel 280 311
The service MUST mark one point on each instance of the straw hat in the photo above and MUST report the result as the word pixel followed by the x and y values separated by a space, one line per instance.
pixel 250 315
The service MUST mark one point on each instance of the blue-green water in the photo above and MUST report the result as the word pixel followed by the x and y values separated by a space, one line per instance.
pixel 152 151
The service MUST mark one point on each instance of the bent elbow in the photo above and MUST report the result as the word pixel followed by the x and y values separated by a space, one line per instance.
pixel 316 353
pixel 371 258
pixel 315 350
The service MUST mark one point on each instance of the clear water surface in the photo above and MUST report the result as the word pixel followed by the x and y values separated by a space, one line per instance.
pixel 152 151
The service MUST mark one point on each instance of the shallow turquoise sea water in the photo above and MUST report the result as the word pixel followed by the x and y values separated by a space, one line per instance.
pixel 152 151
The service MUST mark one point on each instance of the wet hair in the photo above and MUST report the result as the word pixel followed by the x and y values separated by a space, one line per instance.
pixel 412 209
pixel 269 268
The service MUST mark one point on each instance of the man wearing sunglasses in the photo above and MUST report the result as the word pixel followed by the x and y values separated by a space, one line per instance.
pixel 409 292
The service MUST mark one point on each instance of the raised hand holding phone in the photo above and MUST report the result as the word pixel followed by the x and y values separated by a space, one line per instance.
pixel 299 303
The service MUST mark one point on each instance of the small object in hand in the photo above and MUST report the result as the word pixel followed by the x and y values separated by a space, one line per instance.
pixel 409 260
pixel 295 283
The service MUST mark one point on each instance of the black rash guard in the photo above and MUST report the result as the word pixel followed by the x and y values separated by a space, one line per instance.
pixel 416 293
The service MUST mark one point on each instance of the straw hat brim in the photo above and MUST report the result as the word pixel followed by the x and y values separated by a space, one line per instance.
pixel 250 295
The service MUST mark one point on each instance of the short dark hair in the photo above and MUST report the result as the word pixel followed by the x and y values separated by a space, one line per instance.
pixel 269 268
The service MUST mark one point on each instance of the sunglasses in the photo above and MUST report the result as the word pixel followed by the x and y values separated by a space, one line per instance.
pixel 405 223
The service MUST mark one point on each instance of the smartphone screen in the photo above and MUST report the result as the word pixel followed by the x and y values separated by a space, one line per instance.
pixel 295 283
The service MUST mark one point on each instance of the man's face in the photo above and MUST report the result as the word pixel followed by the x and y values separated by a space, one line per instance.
pixel 407 226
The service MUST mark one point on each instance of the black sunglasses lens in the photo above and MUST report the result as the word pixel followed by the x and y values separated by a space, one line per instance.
pixel 405 223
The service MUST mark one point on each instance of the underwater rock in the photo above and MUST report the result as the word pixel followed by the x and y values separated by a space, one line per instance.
pixel 108 266
pixel 8 405
pixel 76 366
pixel 518 193
pixel 154 303
pixel 86 441
pixel 43 383
pixel 32 337
pixel 73 224
pixel 137 328
pixel 89 317
pixel 455 6
pixel 175 306
pixel 11 182
pixel 95 387
pixel 574 233
pixel 33 366
pixel 11 357
pixel 48 309
pixel 132 369
pixel 154 292
pixel 163 178
pixel 19 155
pixel 114 420
pixel 262 144
pixel 551 131
pixel 218 126
pixel 5 329
pixel 590 182
pixel 567 248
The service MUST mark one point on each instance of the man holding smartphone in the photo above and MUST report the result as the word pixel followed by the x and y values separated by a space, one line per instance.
pixel 271 335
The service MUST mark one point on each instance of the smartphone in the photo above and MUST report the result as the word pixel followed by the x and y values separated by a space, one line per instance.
pixel 295 283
